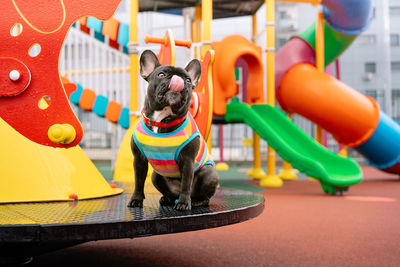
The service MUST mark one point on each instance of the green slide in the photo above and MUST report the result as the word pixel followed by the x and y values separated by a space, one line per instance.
pixel 334 172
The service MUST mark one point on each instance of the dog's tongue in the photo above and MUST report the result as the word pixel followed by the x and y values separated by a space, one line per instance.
pixel 176 84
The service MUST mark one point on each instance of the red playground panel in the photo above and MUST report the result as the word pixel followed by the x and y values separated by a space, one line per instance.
pixel 32 37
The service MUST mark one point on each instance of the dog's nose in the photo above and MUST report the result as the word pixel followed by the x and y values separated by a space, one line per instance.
pixel 176 84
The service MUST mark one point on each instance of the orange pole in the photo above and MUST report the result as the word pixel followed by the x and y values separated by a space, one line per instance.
pixel 254 27
pixel 164 41
pixel 313 2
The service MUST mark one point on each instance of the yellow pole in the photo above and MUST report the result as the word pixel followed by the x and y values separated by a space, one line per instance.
pixel 271 180
pixel 256 172
pixel 287 173
pixel 320 59
pixel 319 62
pixel 206 17
pixel 133 57
pixel 123 171
pixel 196 28
pixel 343 152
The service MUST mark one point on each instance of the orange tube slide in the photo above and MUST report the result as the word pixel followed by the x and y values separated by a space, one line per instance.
pixel 336 108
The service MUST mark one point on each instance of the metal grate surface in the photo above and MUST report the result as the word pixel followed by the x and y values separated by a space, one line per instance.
pixel 107 218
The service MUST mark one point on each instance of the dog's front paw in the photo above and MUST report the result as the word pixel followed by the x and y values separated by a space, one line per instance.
pixel 184 203
pixel 135 203
pixel 183 206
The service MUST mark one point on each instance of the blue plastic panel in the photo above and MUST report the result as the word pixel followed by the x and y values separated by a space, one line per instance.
pixel 123 34
pixel 124 118
pixel 382 150
pixel 95 24
pixel 99 36
pixel 100 105
pixel 348 16
pixel 76 96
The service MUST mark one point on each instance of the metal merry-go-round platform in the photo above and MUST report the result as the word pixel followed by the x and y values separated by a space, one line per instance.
pixel 29 229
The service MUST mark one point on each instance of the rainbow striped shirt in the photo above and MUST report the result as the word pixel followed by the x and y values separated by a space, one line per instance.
pixel 162 149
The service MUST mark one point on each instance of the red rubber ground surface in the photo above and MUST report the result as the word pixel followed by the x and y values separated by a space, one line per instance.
pixel 300 226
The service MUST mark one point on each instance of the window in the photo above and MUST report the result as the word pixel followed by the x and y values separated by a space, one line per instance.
pixel 281 42
pixel 283 14
pixel 367 39
pixel 394 39
pixel 395 93
pixel 395 66
pixel 396 104
pixel 372 93
pixel 370 67
pixel 394 10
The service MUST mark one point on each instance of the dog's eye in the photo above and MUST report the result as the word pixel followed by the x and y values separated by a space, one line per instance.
pixel 161 75
pixel 188 80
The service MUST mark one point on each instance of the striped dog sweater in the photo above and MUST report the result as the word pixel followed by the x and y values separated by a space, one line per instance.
pixel 162 149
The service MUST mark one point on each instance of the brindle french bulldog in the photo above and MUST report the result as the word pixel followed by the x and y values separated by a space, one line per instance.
pixel 191 180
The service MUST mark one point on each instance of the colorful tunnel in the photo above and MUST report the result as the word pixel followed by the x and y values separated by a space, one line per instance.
pixel 227 53
pixel 353 119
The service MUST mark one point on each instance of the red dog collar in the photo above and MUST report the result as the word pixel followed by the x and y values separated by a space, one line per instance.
pixel 149 122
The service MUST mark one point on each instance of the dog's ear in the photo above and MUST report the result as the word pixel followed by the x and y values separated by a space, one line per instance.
pixel 194 70
pixel 148 62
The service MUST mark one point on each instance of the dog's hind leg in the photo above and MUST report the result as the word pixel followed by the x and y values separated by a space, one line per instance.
pixel 204 185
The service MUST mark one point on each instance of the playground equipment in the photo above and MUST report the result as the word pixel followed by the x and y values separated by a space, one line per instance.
pixel 38 80
pixel 39 111
pixel 334 172
pixel 232 51
pixel 225 87
pixel 227 53
pixel 289 59
pixel 353 119
pixel 42 167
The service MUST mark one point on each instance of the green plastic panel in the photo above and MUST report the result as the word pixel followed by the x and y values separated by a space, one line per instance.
pixel 335 42
pixel 334 172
